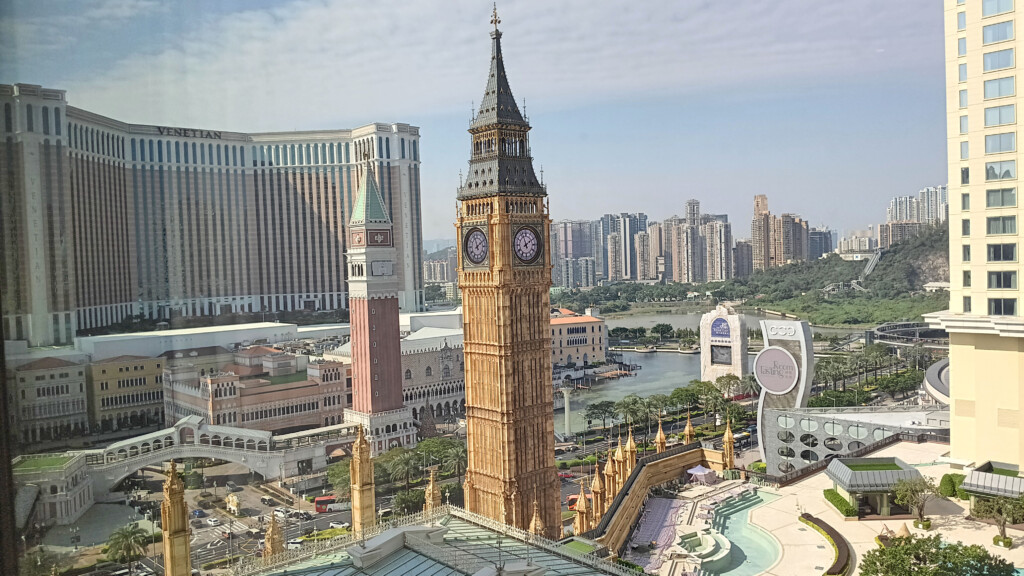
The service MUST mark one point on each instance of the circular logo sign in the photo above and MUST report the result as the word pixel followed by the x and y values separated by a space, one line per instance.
pixel 720 328
pixel 776 370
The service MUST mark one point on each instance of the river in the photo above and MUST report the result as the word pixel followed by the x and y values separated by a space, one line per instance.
pixel 660 373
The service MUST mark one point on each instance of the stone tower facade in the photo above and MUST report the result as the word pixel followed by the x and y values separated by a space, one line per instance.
pixel 377 401
pixel 505 274
pixel 174 520
pixel 364 507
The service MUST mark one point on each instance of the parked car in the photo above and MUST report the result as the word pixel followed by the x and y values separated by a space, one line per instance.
pixel 197 513
pixel 213 521
pixel 232 486
pixel 267 501
pixel 293 544
pixel 281 512
pixel 308 530
pixel 305 516
pixel 337 524
pixel 197 523
pixel 565 475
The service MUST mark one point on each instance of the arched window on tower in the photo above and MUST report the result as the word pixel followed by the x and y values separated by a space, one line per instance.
pixel 446 372
pixel 429 372
pixel 408 374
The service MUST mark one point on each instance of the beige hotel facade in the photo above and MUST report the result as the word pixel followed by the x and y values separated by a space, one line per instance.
pixel 986 370
pixel 104 219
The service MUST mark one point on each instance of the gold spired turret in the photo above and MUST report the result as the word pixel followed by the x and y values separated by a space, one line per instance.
pixel 582 522
pixel 660 440
pixel 364 513
pixel 728 451
pixel 597 489
pixel 630 453
pixel 274 540
pixel 174 521
pixel 620 465
pixel 610 482
pixel 432 497
pixel 688 434
pixel 537 522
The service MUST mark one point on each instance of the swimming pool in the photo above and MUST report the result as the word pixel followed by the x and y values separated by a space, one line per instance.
pixel 753 549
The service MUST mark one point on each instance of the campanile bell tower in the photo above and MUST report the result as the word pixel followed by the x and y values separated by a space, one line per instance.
pixel 504 275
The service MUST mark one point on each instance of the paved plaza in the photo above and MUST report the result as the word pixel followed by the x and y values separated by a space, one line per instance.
pixel 805 552
pixel 94 527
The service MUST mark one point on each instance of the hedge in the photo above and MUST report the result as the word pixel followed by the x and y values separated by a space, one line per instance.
pixel 759 467
pixel 841 564
pixel 950 486
pixel 841 504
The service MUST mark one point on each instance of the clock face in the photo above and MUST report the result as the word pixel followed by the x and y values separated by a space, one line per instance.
pixel 476 246
pixel 526 244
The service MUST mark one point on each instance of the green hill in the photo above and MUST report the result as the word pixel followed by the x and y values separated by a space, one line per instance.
pixel 894 289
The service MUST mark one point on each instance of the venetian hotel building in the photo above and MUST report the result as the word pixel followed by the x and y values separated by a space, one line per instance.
pixel 986 329
pixel 101 219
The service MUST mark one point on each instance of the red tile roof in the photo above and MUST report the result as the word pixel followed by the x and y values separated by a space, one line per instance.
pixel 46 364
pixel 575 319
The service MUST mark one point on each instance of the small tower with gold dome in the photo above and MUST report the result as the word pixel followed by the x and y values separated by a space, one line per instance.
pixel 630 453
pixel 611 485
pixel 174 520
pixel 537 527
pixel 582 522
pixel 432 495
pixel 597 489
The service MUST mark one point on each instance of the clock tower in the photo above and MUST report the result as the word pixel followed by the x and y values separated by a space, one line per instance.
pixel 505 276
pixel 377 401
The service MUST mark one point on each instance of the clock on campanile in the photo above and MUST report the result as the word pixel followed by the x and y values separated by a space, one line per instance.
pixel 476 246
pixel 526 244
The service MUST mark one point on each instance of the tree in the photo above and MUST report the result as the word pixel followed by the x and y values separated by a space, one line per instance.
pixel 404 467
pixel 433 293
pixel 619 332
pixel 685 397
pixel 1000 510
pixel 454 460
pixel 409 501
pixel 126 544
pixel 750 386
pixel 662 330
pixel 42 562
pixel 603 411
pixel 630 408
pixel 930 556
pixel 916 493
pixel 726 384
pixel 339 477
pixel 658 403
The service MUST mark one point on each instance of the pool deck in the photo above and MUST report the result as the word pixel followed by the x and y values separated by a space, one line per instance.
pixel 806 552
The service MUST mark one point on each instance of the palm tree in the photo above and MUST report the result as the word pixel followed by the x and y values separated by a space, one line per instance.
pixel 629 408
pixel 126 544
pixel 685 397
pixel 455 459
pixel 750 386
pixel 405 467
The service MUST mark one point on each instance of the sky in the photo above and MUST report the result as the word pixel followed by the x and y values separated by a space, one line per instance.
pixel 829 108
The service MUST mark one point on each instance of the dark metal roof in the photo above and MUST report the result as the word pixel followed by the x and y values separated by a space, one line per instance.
pixel 868 480
pixel 991 484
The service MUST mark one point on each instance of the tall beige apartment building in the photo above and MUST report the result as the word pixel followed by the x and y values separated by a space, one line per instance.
pixel 984 324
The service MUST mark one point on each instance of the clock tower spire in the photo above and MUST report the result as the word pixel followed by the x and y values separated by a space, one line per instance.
pixel 505 278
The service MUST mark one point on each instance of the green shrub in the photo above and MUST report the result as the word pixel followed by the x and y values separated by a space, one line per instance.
pixel 595 439
pixel 950 485
pixel 563 465
pixel 759 467
pixel 962 494
pixel 223 562
pixel 841 504
pixel 590 459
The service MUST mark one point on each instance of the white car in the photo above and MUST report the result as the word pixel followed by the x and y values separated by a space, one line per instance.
pixel 293 544
pixel 337 524
pixel 212 521
pixel 281 512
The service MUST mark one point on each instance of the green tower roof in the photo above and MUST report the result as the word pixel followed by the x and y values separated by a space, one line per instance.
pixel 369 206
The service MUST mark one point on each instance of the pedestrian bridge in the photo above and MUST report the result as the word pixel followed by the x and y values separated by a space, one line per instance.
pixel 191 437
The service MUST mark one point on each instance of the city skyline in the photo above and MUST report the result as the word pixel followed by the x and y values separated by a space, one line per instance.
pixel 825 76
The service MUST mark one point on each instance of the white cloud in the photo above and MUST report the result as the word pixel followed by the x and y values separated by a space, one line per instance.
pixel 312 62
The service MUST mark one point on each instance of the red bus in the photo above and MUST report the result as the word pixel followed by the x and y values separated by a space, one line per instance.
pixel 573 498
pixel 329 504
